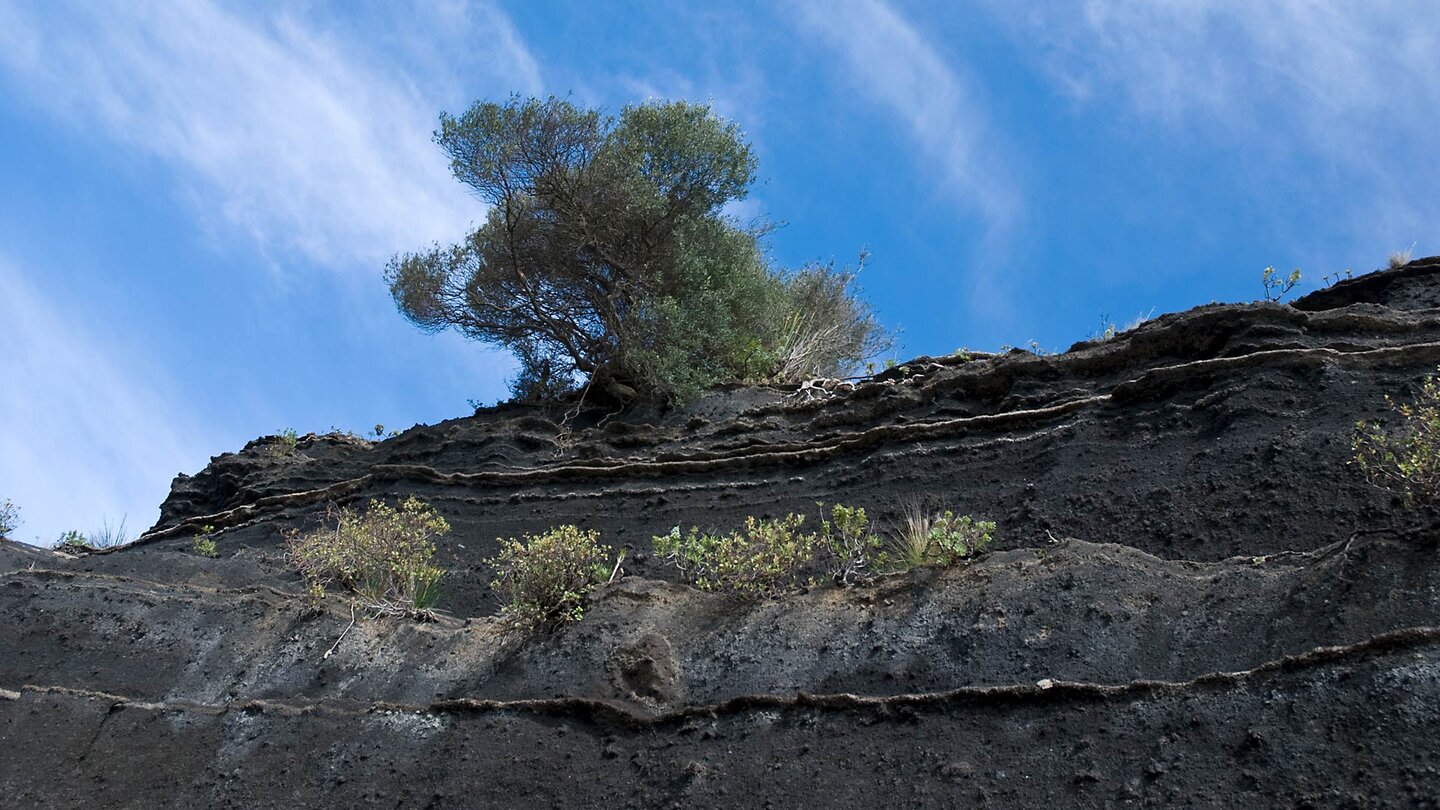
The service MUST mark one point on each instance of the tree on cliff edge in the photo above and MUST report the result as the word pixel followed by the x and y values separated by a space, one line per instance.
pixel 606 260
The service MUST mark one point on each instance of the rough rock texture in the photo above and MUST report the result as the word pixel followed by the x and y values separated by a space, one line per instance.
pixel 1194 600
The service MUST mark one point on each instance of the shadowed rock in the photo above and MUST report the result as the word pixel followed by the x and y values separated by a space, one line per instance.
pixel 1193 599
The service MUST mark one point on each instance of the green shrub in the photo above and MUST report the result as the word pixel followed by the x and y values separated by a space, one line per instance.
pixel 763 561
pixel 955 538
pixel 73 541
pixel 383 555
pixel 851 550
pixel 769 556
pixel 107 536
pixel 204 542
pixel 9 518
pixel 1406 458
pixel 929 538
pixel 544 580
pixel 284 444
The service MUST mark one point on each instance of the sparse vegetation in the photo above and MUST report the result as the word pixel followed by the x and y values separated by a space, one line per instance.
pixel 1400 258
pixel 1406 457
pixel 204 542
pixel 544 580
pixel 607 263
pixel 9 518
pixel 924 537
pixel 108 535
pixel 383 555
pixel 1139 320
pixel 763 561
pixel 827 330
pixel 1108 329
pixel 770 556
pixel 1031 347
pixel 284 444
pixel 1276 286
pixel 1331 279
pixel 958 537
pixel 851 549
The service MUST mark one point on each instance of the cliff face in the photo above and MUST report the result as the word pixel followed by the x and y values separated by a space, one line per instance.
pixel 1194 599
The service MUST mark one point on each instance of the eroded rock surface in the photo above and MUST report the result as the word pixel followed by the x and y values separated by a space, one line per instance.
pixel 1194 599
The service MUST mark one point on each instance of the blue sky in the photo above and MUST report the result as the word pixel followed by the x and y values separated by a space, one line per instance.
pixel 197 198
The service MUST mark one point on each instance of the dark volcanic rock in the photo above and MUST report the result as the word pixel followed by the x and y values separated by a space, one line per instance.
pixel 1195 599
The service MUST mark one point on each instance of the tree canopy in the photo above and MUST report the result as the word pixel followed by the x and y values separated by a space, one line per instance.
pixel 607 261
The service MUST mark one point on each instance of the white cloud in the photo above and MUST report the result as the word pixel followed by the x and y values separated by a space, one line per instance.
pixel 308 137
pixel 92 432
pixel 295 139
pixel 1347 85
pixel 1327 61
pixel 892 64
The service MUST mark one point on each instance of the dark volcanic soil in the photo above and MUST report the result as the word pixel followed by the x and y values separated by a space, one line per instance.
pixel 1194 600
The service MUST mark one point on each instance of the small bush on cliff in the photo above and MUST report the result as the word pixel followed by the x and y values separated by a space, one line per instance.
pixel 607 261
pixel 930 538
pixel 204 542
pixel 383 555
pixel 828 330
pixel 107 536
pixel 544 580
pixel 284 444
pixel 762 561
pixel 9 518
pixel 852 551
pixel 769 557
pixel 1277 286
pixel 1406 457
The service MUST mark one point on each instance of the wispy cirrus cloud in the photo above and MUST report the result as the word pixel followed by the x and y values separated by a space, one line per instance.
pixel 92 431
pixel 304 136
pixel 892 64
pixel 1350 86
pixel 300 141
pixel 1326 60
